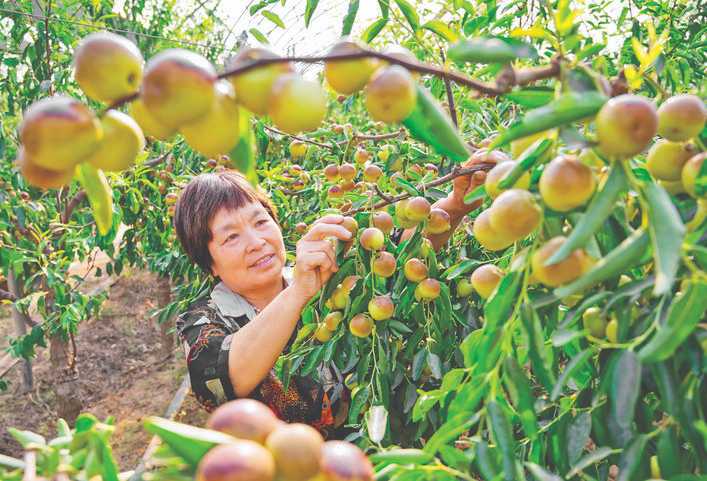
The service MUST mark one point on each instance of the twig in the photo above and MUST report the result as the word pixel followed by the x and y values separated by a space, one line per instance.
pixel 157 160
pixel 5 295
pixel 71 205
pixel 450 95
pixel 297 137
pixel 382 194
pixel 376 138
pixel 48 47
pixel 457 172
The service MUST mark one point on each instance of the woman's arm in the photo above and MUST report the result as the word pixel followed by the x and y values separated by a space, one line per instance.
pixel 256 347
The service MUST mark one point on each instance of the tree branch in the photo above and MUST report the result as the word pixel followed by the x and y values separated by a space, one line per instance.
pixel 71 205
pixel 297 137
pixel 7 296
pixel 450 95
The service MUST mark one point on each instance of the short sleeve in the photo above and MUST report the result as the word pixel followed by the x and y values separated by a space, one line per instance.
pixel 207 346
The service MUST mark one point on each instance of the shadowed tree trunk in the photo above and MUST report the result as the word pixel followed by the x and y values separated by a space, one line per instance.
pixel 164 297
pixel 21 324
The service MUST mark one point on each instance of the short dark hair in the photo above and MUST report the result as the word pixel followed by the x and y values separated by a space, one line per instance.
pixel 199 202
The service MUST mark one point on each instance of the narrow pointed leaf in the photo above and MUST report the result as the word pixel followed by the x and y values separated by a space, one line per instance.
pixel 99 193
pixel 409 13
pixel 309 11
pixel 350 17
pixel 441 29
pixel 490 50
pixel 623 395
pixel 274 18
pixel 577 361
pixel 589 459
pixel 243 154
pixel 503 434
pixel 499 306
pixel 373 30
pixel 525 162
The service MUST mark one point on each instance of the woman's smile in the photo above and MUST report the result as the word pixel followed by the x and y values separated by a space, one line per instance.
pixel 264 262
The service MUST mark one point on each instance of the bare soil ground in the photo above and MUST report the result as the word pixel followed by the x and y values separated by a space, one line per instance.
pixel 122 373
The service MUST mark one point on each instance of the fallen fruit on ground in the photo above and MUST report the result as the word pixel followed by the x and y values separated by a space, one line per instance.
pixel 681 117
pixel 487 236
pixel 296 104
pixel 515 214
pixel 296 449
pixel 178 87
pixel 666 159
pixel 485 279
pixel 240 461
pixel 391 94
pixel 427 290
pixel 253 87
pixel 498 173
pixel 348 76
pixel 361 325
pixel 121 143
pixel 566 184
pixel 59 132
pixel 372 239
pixel 625 125
pixel 384 264
pixel 381 308
pixel 415 270
pixel 244 419
pixel 562 272
pixel 342 461
pixel 107 66
pixel 690 172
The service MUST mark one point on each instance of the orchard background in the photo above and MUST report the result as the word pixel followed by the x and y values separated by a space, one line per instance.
pixel 593 371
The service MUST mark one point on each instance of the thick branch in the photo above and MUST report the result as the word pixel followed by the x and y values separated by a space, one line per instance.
pixel 71 205
pixel 457 172
pixel 7 296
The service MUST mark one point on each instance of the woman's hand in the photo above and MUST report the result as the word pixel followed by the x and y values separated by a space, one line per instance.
pixel 464 184
pixel 316 255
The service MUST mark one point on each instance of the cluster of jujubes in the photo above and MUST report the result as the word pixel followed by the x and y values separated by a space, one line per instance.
pixel 265 448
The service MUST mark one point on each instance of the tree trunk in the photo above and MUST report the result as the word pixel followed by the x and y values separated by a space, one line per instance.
pixel 66 389
pixel 164 297
pixel 21 323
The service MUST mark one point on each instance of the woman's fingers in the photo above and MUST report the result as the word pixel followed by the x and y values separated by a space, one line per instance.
pixel 318 246
pixel 322 230
pixel 313 260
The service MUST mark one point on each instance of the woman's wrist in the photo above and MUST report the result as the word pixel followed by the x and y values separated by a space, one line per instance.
pixel 296 296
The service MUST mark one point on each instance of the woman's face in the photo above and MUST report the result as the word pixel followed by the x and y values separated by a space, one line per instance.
pixel 247 248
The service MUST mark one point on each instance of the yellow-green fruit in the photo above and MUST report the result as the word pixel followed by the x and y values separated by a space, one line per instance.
pixel 332 320
pixel 417 209
pixel 566 184
pixel 149 125
pixel 178 87
pixel 487 236
pixel 39 176
pixel 672 187
pixel 415 270
pixel 372 239
pixel 215 132
pixel 384 264
pixel 464 288
pixel 347 171
pixel 690 172
pixel 391 94
pixel 427 290
pixel 350 224
pixel 361 325
pixel 666 159
pixel 553 275
pixel 107 66
pixel 515 214
pixel 299 149
pixel 612 331
pixel 122 142
pixel 590 158
pixel 519 146
pixel 241 460
pixel 625 125
pixel 681 117
pixel 361 156
pixel 383 221
pixel 401 215
pixel 381 308
pixel 253 87
pixel 384 153
pixel 594 322
pixel 340 299
pixel 439 221
pixel 348 76
pixel 296 449
pixel 426 248
pixel 59 132
pixel 322 333
pixel 485 279
pixel 372 173
pixel 296 105
pixel 498 173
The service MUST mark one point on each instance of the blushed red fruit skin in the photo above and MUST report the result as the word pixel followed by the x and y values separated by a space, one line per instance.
pixel 625 125
pixel 415 270
pixel 515 214
pixel 566 184
pixel 681 117
pixel 383 221
pixel 384 264
pixel 690 172
pixel 427 290
pixel 485 279
pixel 439 221
pixel 562 272
pixel 361 325
pixel 485 234
pixel 372 239
pixel 240 461
pixel 244 419
pixel 296 449
pixel 417 209
pixel 347 171
pixel 342 461
pixel 381 308
pixel 331 172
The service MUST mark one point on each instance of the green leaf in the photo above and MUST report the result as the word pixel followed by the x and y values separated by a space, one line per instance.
pixel 274 18
pixel 499 306
pixel 590 459
pixel 243 154
pixel 359 396
pixel 525 162
pixel 441 29
pixel 599 209
pixel 409 13
pixel 570 107
pixel 428 123
pixel 109 466
pixel 536 351
pixel 578 433
pixel 309 11
pixel 531 97
pixel 522 396
pixel 619 260
pixel 27 439
pixel 259 36
pixel 503 434
pixel 374 29
pixel 11 463
pixel 99 194
pixel 349 18
pixel 623 395
pixel 631 459
pixel 490 50
pixel 401 456
pixel 667 233
pixel 686 311
pixel 577 362
pixel 540 474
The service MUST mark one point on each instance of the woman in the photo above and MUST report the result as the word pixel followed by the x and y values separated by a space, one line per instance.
pixel 234 336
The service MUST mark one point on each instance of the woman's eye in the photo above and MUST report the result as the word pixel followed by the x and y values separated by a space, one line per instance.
pixel 261 222
pixel 231 237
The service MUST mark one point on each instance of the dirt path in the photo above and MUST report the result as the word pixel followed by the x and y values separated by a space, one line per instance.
pixel 121 370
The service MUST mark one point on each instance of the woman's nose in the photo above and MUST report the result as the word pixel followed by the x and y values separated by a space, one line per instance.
pixel 254 241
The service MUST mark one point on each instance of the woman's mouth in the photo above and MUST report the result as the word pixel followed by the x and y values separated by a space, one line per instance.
pixel 264 261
